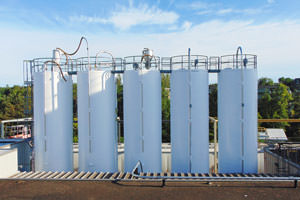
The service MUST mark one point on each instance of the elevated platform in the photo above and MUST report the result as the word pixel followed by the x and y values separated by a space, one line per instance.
pixel 152 177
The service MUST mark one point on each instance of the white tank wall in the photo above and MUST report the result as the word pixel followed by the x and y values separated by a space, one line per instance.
pixel 132 119
pixel 250 121
pixel 229 126
pixel 142 119
pixel 151 99
pixel 96 92
pixel 181 97
pixel 39 120
pixel 179 110
pixel 231 142
pixel 83 121
pixel 200 122
pixel 53 118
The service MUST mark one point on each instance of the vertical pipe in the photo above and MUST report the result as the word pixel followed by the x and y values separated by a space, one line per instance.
pixel 2 130
pixel 190 115
pixel 119 130
pixel 142 113
pixel 215 146
pixel 250 120
pixel 242 101
pixel 89 111
pixel 242 119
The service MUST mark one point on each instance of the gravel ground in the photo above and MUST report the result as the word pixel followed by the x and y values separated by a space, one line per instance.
pixel 11 189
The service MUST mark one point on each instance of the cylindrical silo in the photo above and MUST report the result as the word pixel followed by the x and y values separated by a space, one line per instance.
pixel 39 120
pixel 250 121
pixel 53 118
pixel 189 121
pixel 142 119
pixel 96 93
pixel 151 119
pixel 237 125
pixel 132 119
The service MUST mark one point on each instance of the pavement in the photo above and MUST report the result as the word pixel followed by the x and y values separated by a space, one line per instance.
pixel 90 190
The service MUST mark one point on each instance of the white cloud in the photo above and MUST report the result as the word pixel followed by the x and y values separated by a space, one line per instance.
pixel 186 25
pixel 171 2
pixel 248 11
pixel 204 12
pixel 218 9
pixel 225 11
pixel 130 3
pixel 253 11
pixel 199 5
pixel 270 1
pixel 126 17
pixel 87 19
pixel 274 43
pixel 141 15
pixel 201 8
pixel 173 28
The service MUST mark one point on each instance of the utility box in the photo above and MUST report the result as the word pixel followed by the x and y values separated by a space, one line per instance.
pixel 9 162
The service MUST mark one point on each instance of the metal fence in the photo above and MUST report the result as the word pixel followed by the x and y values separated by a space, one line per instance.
pixel 282 161
pixel 16 128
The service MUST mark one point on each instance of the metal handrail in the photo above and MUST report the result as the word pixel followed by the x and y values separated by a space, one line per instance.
pixel 137 60
pixel 185 60
pixel 233 61
pixel 211 178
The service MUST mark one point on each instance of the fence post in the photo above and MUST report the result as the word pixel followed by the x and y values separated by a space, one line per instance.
pixel 2 130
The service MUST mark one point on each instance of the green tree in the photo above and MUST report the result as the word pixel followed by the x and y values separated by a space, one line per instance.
pixel 281 98
pixel 287 81
pixel 75 100
pixel 120 106
pixel 264 103
pixel 262 82
pixel 274 102
pixel 12 102
pixel 165 105
pixel 294 129
pixel 213 100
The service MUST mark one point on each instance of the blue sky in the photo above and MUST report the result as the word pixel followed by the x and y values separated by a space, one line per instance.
pixel 268 28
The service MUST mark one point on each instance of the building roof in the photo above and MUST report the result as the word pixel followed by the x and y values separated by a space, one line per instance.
pixel 146 190
pixel 276 134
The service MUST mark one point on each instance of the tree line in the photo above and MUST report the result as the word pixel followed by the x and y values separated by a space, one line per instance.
pixel 275 101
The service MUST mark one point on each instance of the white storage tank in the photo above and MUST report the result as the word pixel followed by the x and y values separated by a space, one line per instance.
pixel 53 118
pixel 132 121
pixel 97 138
pixel 142 119
pixel 189 121
pixel 250 121
pixel 237 125
pixel 151 116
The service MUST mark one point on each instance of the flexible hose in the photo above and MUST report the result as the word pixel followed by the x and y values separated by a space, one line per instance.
pixel 106 52
pixel 59 67
pixel 71 54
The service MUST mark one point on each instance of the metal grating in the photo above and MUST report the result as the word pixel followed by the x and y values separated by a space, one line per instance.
pixel 120 176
